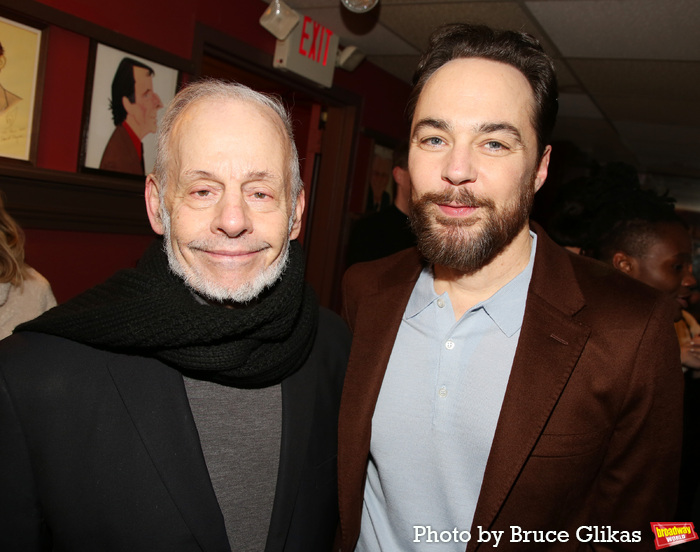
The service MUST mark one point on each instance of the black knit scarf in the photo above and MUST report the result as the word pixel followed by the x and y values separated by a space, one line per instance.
pixel 149 311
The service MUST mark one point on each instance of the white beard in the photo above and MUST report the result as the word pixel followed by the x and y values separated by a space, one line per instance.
pixel 197 282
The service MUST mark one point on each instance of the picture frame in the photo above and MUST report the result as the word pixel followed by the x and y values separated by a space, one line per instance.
pixel 380 189
pixel 109 145
pixel 22 62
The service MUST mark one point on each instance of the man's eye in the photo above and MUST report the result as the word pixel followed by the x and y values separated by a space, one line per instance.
pixel 260 195
pixel 432 141
pixel 493 145
pixel 202 193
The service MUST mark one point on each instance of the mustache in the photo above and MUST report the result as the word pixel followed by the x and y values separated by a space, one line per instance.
pixel 223 244
pixel 458 196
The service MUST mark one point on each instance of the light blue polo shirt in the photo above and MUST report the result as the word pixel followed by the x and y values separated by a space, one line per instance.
pixel 436 415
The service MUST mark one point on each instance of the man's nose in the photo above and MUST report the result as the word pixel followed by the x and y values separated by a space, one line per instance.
pixel 232 216
pixel 460 165
pixel 689 278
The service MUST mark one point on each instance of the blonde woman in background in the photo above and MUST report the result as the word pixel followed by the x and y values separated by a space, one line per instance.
pixel 24 293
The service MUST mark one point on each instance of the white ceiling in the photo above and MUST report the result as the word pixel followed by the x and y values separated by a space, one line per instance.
pixel 629 70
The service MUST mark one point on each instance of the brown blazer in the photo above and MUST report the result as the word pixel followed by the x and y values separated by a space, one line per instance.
pixel 590 427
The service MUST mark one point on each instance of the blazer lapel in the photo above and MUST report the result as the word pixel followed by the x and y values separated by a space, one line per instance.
pixel 298 398
pixel 155 397
pixel 550 344
pixel 377 321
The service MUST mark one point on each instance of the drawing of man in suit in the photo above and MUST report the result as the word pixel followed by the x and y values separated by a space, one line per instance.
pixel 495 380
pixel 134 106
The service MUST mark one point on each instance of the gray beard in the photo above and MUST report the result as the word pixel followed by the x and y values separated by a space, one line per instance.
pixel 460 244
pixel 212 291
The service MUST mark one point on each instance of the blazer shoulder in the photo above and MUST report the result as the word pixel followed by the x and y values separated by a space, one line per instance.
pixel 54 368
pixel 391 267
pixel 599 281
pixel 365 279
pixel 618 301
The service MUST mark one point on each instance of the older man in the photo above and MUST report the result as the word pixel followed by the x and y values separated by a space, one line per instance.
pixel 190 403
pixel 498 384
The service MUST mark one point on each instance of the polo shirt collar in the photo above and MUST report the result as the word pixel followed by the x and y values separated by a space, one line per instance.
pixel 506 307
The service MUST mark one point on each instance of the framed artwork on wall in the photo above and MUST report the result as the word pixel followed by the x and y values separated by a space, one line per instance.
pixel 125 98
pixel 21 69
pixel 380 190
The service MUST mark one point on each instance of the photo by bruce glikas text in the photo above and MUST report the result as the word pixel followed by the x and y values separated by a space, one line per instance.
pixel 585 533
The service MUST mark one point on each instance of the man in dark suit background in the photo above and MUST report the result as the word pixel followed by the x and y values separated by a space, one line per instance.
pixel 496 382
pixel 388 231
pixel 135 107
pixel 190 403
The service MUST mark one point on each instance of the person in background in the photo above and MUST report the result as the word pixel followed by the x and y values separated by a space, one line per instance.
pixel 643 237
pixel 190 403
pixel 572 218
pixel 24 293
pixel 388 231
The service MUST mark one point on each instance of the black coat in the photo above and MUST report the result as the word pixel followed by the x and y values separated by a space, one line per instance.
pixel 99 451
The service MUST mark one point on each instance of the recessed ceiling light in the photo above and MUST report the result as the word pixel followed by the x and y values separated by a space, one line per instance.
pixel 359 6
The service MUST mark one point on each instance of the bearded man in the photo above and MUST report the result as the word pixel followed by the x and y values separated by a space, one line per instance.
pixel 191 403
pixel 496 382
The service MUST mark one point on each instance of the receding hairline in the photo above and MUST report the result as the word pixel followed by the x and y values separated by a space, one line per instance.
pixel 483 127
pixel 263 109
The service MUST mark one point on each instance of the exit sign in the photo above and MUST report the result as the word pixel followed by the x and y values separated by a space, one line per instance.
pixel 310 51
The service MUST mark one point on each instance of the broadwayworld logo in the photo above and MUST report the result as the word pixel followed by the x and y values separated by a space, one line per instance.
pixel 671 534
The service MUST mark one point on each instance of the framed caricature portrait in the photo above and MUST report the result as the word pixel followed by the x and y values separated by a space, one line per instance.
pixel 128 94
pixel 20 59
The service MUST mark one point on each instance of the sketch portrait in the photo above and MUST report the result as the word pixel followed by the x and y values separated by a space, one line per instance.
pixel 19 68
pixel 128 95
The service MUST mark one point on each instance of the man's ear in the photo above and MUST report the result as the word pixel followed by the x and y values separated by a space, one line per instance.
pixel 623 262
pixel 402 178
pixel 298 212
pixel 128 106
pixel 542 168
pixel 153 204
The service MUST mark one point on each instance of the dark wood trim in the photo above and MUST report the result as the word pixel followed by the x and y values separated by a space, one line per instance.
pixel 39 95
pixel 56 200
pixel 324 239
pixel 52 16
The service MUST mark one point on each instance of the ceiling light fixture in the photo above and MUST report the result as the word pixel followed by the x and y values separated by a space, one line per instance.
pixel 359 6
pixel 279 19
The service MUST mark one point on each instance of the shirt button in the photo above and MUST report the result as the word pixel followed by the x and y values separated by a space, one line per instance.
pixel 442 392
pixel 441 302
pixel 449 345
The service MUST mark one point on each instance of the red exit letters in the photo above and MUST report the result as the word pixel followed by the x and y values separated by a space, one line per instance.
pixel 319 42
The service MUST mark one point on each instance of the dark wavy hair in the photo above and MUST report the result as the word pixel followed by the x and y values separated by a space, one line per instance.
pixel 632 223
pixel 518 49
pixel 12 266
pixel 123 85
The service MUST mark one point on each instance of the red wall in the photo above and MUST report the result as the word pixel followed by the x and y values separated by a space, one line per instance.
pixel 74 261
